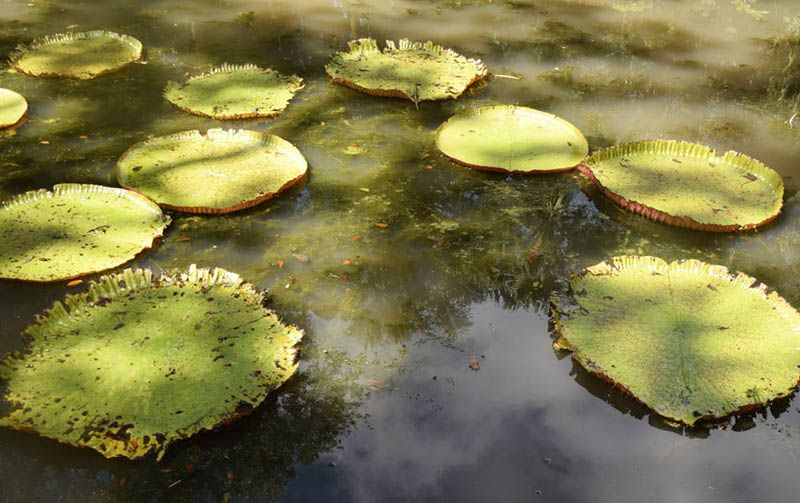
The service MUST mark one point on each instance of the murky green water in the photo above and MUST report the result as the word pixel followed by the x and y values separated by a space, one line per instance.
pixel 385 407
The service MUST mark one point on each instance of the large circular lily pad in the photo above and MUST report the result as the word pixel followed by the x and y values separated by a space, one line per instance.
pixel 690 340
pixel 688 185
pixel 512 139
pixel 82 55
pixel 219 172
pixel 412 70
pixel 139 362
pixel 235 92
pixel 74 230
pixel 13 107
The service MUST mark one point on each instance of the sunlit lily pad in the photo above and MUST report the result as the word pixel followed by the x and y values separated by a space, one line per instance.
pixel 219 172
pixel 235 92
pixel 74 230
pixel 139 362
pixel 83 55
pixel 412 70
pixel 13 107
pixel 688 185
pixel 510 138
pixel 690 340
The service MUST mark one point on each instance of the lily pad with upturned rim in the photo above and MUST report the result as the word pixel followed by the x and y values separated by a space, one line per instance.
pixel 512 139
pixel 81 55
pixel 13 107
pixel 689 339
pixel 74 230
pixel 688 185
pixel 413 70
pixel 219 172
pixel 141 361
pixel 234 92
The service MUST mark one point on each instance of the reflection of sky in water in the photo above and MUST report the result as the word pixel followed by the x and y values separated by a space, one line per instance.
pixel 521 425
pixel 412 303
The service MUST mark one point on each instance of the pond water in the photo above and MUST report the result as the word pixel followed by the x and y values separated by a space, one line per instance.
pixel 384 406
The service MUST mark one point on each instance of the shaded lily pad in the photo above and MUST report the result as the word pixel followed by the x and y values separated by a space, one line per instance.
pixel 83 55
pixel 688 185
pixel 13 107
pixel 219 172
pixel 413 70
pixel 512 139
pixel 139 362
pixel 690 340
pixel 74 230
pixel 234 92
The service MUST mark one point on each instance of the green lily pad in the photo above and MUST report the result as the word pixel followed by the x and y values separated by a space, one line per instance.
pixel 13 107
pixel 688 185
pixel 412 70
pixel 74 230
pixel 688 339
pixel 219 172
pixel 139 362
pixel 512 139
pixel 83 55
pixel 235 92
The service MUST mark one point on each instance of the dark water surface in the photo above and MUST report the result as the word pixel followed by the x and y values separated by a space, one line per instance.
pixel 384 406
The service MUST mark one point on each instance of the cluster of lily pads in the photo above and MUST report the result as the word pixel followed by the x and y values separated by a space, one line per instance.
pixel 157 341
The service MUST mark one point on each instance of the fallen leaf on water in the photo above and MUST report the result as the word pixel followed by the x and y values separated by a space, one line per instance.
pixel 382 225
pixel 75 282
pixel 372 384
pixel 302 258
pixel 473 362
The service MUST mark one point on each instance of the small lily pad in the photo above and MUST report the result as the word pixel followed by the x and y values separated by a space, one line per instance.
pixel 219 172
pixel 689 339
pixel 141 361
pixel 512 139
pixel 235 92
pixel 13 107
pixel 413 70
pixel 688 185
pixel 83 55
pixel 74 230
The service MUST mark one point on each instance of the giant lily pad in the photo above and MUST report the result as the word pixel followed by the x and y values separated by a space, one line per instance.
pixel 83 55
pixel 510 138
pixel 13 107
pixel 688 185
pixel 74 230
pixel 219 172
pixel 412 70
pixel 139 362
pixel 235 92
pixel 689 339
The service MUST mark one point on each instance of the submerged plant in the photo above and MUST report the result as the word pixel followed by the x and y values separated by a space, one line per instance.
pixel 512 139
pixel 139 361
pixel 688 185
pixel 74 230
pixel 83 55
pixel 13 108
pixel 412 70
pixel 234 92
pixel 690 340
pixel 219 172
